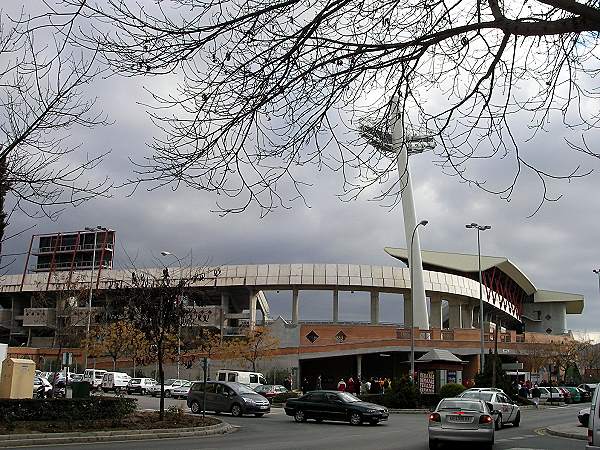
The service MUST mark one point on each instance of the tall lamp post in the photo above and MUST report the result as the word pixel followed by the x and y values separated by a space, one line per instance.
pixel 89 315
pixel 479 229
pixel 166 253
pixel 597 272
pixel 412 303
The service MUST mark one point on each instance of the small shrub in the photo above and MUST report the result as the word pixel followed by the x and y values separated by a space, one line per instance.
pixel 175 412
pixel 451 390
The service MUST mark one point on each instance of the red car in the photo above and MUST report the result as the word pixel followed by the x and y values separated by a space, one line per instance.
pixel 270 390
pixel 566 394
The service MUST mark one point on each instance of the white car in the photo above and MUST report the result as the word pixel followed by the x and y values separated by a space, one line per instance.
pixel 507 410
pixel 140 385
pixel 93 377
pixel 170 384
pixel 182 391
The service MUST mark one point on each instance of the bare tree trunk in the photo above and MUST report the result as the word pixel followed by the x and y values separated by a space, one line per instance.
pixel 161 374
pixel 4 187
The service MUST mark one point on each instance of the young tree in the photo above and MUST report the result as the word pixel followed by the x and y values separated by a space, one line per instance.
pixel 154 304
pixel 257 344
pixel 117 339
pixel 43 76
pixel 269 86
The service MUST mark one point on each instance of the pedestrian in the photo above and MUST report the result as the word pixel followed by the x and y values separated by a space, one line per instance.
pixel 319 386
pixel 536 394
pixel 304 385
pixel 367 387
pixel 386 385
pixel 287 383
pixel 341 385
pixel 350 385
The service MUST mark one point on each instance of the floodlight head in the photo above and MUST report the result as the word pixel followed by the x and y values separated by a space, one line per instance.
pixel 166 253
pixel 423 222
pixel 487 227
pixel 468 226
pixel 596 271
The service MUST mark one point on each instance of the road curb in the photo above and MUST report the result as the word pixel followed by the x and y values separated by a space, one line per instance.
pixel 566 434
pixel 20 440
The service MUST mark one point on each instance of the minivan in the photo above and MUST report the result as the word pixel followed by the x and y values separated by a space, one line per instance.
pixel 93 377
pixel 140 385
pixel 594 423
pixel 236 398
pixel 252 379
pixel 115 381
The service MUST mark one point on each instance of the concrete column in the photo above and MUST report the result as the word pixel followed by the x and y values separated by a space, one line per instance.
pixel 336 306
pixel 454 315
pixel 407 310
pixel 374 307
pixel 435 317
pixel 253 298
pixel 359 365
pixel 295 308
pixel 224 310
pixel 466 315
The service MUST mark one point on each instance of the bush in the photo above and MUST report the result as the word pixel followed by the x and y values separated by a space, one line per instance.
pixel 403 394
pixel 282 398
pixel 66 409
pixel 451 390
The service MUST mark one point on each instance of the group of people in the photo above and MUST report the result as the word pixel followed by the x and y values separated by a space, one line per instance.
pixel 354 385
pixel 527 388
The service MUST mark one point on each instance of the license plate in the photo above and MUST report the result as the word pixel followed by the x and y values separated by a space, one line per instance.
pixel 460 419
pixel 263 407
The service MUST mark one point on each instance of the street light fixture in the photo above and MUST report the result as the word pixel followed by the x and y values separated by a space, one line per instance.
pixel 597 272
pixel 89 317
pixel 167 253
pixel 412 303
pixel 479 229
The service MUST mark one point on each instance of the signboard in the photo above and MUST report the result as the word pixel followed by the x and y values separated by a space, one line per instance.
pixel 427 382
pixel 512 366
pixel 67 359
pixel 451 376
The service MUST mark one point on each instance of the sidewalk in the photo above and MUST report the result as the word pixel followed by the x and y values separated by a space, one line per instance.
pixel 568 430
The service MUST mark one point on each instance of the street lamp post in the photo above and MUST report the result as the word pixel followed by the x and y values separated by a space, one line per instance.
pixel 412 303
pixel 479 229
pixel 597 272
pixel 166 253
pixel 89 315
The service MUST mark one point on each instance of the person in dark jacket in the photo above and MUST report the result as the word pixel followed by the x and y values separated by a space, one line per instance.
pixel 535 395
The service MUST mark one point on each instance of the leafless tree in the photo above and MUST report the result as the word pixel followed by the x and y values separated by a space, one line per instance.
pixel 42 81
pixel 265 87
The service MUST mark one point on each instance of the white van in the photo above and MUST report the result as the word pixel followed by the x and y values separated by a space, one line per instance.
pixel 93 377
pixel 251 379
pixel 115 381
pixel 594 423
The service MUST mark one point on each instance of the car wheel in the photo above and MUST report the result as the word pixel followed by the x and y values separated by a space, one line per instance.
pixel 433 445
pixel 236 410
pixel 154 394
pixel 143 392
pixel 195 407
pixel 299 416
pixel 168 394
pixel 517 420
pixel 498 425
pixel 258 414
pixel 355 418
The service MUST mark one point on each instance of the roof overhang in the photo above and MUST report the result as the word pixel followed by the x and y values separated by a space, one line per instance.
pixel 574 302
pixel 468 263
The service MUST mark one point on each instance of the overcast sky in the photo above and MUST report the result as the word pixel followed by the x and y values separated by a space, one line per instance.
pixel 557 247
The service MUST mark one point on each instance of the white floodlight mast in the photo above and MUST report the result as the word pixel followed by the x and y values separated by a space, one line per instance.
pixel 419 302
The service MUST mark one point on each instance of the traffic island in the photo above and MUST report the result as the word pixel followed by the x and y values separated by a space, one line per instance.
pixel 569 430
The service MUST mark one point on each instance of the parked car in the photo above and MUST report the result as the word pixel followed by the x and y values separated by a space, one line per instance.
pixel 77 378
pixel 182 391
pixel 586 396
pixel 334 405
pixel 507 410
pixel 462 419
pixel 93 377
pixel 584 417
pixel 270 390
pixel 594 423
pixel 575 395
pixel 556 394
pixel 566 394
pixel 236 398
pixel 115 381
pixel 41 387
pixel 170 384
pixel 140 385
pixel 590 387
pixel 251 379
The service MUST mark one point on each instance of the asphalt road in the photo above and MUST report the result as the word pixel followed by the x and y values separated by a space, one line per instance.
pixel 277 431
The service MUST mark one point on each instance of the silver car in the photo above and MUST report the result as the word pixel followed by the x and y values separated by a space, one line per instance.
pixel 505 410
pixel 461 420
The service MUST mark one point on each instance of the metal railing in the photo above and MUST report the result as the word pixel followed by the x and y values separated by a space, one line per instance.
pixel 72 248
pixel 68 264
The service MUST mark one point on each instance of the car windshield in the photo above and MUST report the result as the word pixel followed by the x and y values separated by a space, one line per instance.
pixel 348 398
pixel 241 389
pixel 485 396
pixel 170 381
pixel 459 405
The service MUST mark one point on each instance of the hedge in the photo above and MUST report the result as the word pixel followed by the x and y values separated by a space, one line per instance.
pixel 66 409
pixel 451 390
